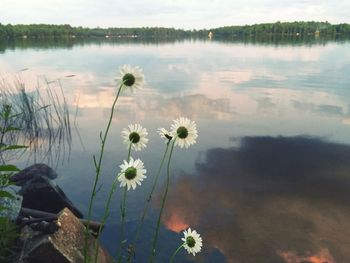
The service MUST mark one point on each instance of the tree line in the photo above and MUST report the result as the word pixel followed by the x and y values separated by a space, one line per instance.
pixel 57 31
pixel 279 28
pixel 284 28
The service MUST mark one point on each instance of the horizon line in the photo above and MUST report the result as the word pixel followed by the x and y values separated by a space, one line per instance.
pixel 238 25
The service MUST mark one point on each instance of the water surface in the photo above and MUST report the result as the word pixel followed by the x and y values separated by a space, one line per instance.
pixel 267 180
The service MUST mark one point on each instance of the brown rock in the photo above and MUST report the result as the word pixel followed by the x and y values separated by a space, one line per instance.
pixel 64 246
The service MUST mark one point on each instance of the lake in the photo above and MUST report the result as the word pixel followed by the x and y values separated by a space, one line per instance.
pixel 268 179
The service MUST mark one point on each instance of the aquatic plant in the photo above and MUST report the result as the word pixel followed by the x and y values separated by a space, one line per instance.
pixel 43 115
pixel 8 235
pixel 6 169
pixel 37 120
pixel 8 230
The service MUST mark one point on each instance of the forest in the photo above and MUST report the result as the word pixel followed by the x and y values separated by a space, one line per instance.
pixel 323 29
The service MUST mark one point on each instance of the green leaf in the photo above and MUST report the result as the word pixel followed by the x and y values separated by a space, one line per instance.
pixel 15 115
pixel 2 209
pixel 43 107
pixel 13 147
pixel 6 194
pixel 6 111
pixel 3 220
pixel 11 128
pixel 8 168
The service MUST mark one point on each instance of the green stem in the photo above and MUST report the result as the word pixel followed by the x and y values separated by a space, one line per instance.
pixel 155 238
pixel 106 214
pixel 3 131
pixel 97 176
pixel 139 227
pixel 123 214
pixel 176 251
pixel 122 224
pixel 129 152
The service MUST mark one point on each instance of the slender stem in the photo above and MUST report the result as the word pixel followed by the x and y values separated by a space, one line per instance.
pixel 98 170
pixel 176 251
pixel 123 213
pixel 139 227
pixel 155 238
pixel 106 213
pixel 129 151
pixel 3 131
pixel 122 224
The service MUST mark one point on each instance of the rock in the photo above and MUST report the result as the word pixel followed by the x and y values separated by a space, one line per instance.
pixel 64 246
pixel 32 172
pixel 26 213
pixel 41 193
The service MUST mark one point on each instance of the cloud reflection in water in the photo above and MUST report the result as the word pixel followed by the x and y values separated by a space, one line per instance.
pixel 272 199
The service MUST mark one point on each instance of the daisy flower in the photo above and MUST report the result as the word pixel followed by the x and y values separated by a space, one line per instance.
pixel 193 241
pixel 131 77
pixel 185 131
pixel 165 134
pixel 132 173
pixel 136 135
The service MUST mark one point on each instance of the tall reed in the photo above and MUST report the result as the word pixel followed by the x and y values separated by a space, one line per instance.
pixel 42 114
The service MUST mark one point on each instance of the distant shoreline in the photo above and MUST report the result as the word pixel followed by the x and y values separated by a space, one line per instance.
pixel 67 42
pixel 288 29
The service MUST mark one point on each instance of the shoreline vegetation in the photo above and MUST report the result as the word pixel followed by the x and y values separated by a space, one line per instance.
pixel 41 36
pixel 42 114
pixel 286 29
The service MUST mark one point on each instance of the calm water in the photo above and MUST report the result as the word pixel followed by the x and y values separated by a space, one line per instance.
pixel 269 178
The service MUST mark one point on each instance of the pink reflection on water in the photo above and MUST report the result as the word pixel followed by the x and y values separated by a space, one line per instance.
pixel 323 256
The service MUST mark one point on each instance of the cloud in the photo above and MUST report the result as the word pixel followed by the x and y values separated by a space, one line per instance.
pixel 270 199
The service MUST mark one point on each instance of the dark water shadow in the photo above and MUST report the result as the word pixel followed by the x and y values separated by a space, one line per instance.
pixel 272 199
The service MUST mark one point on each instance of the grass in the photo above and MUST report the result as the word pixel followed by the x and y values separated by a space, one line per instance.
pixel 8 235
pixel 38 121
pixel 43 118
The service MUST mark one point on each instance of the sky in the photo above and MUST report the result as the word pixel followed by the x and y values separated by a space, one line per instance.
pixel 183 14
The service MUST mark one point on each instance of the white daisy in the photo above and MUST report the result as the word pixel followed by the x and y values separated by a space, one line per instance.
pixel 185 131
pixel 193 241
pixel 132 173
pixel 167 135
pixel 131 77
pixel 136 135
